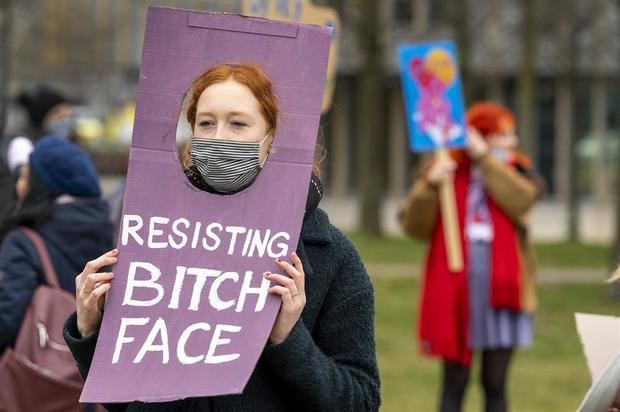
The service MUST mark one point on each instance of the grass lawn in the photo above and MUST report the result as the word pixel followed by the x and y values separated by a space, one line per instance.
pixel 402 250
pixel 550 376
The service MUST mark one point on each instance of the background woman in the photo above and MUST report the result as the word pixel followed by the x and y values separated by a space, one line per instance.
pixel 488 307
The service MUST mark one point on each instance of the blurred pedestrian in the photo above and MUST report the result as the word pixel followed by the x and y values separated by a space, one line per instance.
pixel 488 306
pixel 49 112
pixel 14 153
pixel 59 197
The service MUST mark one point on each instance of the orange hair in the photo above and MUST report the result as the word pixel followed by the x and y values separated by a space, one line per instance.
pixel 490 118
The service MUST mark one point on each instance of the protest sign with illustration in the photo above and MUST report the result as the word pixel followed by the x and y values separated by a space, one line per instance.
pixel 433 95
pixel 436 120
pixel 189 311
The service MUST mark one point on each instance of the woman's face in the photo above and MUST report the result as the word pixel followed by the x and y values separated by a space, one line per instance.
pixel 229 111
pixel 507 140
pixel 21 186
pixel 58 112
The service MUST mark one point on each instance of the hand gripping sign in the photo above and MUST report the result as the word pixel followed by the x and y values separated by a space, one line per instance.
pixel 435 119
pixel 188 313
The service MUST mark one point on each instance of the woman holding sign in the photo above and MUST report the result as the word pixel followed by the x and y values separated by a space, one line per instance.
pixel 488 306
pixel 321 351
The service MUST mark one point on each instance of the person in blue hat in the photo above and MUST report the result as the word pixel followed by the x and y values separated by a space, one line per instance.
pixel 59 197
pixel 49 112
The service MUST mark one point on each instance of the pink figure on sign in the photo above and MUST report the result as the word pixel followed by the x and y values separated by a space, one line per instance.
pixel 432 113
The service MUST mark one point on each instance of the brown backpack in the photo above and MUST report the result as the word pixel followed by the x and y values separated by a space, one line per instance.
pixel 39 372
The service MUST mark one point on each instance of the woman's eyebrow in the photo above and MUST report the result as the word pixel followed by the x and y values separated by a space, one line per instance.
pixel 236 113
pixel 203 113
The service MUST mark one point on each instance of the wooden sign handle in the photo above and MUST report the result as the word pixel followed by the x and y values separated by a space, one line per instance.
pixel 451 231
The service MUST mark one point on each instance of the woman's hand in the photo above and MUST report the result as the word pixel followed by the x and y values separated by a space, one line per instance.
pixel 477 147
pixel 90 290
pixel 441 170
pixel 291 289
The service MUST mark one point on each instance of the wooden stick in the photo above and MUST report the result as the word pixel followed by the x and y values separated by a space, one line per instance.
pixel 451 231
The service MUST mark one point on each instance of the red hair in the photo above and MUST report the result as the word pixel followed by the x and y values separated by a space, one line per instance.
pixel 248 74
pixel 490 118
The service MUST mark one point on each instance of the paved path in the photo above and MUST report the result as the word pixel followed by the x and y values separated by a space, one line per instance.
pixel 548 218
pixel 545 275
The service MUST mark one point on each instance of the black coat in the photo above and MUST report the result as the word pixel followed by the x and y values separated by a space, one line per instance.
pixel 328 362
pixel 75 233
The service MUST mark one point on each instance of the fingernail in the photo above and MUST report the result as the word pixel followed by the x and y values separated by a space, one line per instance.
pixel 266 274
pixel 294 254
pixel 115 251
pixel 278 260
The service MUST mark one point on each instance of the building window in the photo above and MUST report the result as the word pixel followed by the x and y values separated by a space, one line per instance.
pixel 403 11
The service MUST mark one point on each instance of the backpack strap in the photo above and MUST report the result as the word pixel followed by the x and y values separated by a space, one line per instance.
pixel 44 256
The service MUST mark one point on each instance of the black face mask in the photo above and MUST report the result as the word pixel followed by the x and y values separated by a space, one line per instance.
pixel 64 127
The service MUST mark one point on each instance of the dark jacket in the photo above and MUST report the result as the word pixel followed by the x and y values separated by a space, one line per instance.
pixel 328 362
pixel 75 233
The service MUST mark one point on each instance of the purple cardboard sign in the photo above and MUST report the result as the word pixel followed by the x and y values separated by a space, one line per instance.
pixel 188 313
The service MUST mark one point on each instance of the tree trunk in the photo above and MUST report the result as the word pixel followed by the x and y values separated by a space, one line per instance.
pixel 370 108
pixel 421 16
pixel 566 128
pixel 5 59
pixel 457 14
pixel 527 79
pixel 573 187
pixel 562 142
pixel 340 150
pixel 599 134
pixel 397 150
pixel 615 248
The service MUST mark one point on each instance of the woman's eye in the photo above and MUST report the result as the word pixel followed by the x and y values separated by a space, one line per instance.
pixel 238 124
pixel 206 123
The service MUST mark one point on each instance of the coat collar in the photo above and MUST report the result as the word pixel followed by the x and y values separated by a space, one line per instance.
pixel 314 231
pixel 316 228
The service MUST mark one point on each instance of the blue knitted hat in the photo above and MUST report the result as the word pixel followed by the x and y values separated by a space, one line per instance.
pixel 64 168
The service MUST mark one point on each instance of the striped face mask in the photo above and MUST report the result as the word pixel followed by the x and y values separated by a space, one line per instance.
pixel 227 166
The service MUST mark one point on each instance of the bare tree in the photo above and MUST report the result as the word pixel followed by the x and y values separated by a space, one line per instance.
pixel 457 13
pixel 566 137
pixel 5 58
pixel 615 249
pixel 370 111
pixel 527 77
pixel 598 49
